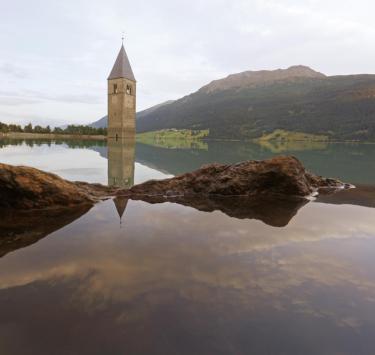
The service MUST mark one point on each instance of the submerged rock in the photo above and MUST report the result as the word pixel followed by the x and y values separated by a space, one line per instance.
pixel 284 175
pixel 28 188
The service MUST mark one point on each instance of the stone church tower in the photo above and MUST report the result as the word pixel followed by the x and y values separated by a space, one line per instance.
pixel 121 98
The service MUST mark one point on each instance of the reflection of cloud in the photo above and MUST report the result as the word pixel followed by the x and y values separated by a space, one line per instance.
pixel 312 269
pixel 218 237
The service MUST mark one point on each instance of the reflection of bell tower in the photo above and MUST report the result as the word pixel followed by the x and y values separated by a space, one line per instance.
pixel 121 162
pixel 121 153
pixel 120 204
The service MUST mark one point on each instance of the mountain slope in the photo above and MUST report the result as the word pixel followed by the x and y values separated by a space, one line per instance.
pixel 251 104
pixel 103 122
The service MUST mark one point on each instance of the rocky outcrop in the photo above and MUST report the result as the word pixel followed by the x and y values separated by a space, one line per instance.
pixel 271 190
pixel 283 175
pixel 28 188
pixel 34 203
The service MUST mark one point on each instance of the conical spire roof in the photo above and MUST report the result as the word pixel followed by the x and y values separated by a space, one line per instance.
pixel 122 68
pixel 120 203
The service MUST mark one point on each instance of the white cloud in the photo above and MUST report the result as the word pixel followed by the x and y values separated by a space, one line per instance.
pixel 174 47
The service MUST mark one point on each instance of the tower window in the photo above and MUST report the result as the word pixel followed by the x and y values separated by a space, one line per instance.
pixel 115 88
pixel 128 89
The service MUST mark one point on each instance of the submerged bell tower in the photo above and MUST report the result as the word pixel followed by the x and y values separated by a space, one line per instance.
pixel 121 98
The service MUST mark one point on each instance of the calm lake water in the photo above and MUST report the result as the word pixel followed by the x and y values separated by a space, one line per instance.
pixel 128 277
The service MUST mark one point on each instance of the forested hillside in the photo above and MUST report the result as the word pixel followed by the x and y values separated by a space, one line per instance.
pixel 253 104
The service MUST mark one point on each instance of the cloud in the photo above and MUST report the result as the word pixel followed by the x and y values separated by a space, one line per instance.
pixel 33 97
pixel 13 71
pixel 174 47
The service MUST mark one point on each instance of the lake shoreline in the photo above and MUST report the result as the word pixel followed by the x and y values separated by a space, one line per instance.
pixel 23 135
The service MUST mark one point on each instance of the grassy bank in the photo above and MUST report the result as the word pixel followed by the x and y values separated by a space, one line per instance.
pixel 284 135
pixel 172 138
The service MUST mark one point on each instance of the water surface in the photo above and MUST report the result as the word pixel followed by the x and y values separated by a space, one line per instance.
pixel 128 277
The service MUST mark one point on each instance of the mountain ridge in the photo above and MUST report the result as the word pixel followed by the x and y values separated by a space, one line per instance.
pixel 249 105
pixel 261 77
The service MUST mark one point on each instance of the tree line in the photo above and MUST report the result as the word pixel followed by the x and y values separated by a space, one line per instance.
pixel 70 129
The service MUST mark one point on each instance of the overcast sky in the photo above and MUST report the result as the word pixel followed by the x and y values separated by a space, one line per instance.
pixel 55 56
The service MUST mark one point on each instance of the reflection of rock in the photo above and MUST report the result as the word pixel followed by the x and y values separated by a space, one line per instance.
pixel 274 211
pixel 34 204
pixel 22 228
pixel 23 188
pixel 362 195
pixel 121 162
pixel 281 175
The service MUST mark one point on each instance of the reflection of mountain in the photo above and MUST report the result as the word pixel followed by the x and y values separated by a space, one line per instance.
pixel 20 229
pixel 354 163
pixel 281 146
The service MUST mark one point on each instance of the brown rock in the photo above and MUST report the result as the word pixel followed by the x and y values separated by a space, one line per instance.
pixel 284 175
pixel 28 188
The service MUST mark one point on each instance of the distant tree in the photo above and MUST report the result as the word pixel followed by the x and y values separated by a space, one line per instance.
pixel 71 129
pixel 28 128
pixel 3 127
pixel 58 130
pixel 38 129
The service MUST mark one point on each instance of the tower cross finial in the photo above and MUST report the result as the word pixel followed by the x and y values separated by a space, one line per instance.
pixel 122 37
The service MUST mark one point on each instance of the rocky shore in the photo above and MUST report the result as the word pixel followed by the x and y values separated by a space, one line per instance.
pixel 284 175
pixel 28 188
pixel 34 203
